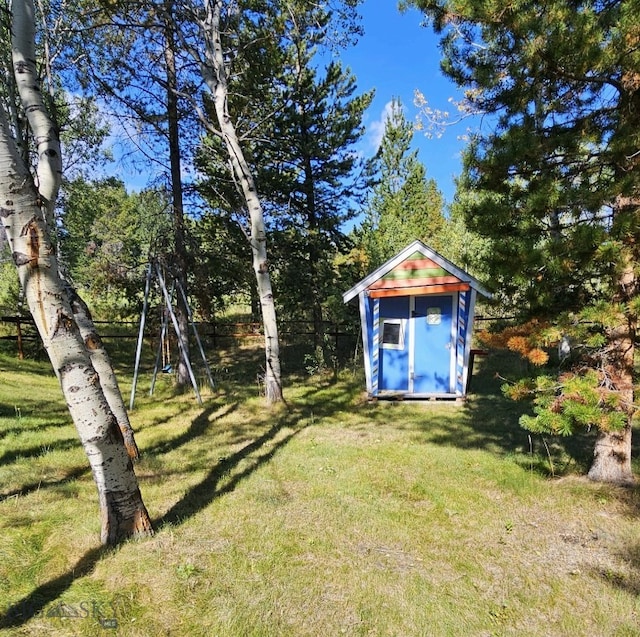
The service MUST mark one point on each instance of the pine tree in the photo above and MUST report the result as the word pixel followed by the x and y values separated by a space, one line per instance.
pixel 404 204
pixel 133 63
pixel 556 190
pixel 312 200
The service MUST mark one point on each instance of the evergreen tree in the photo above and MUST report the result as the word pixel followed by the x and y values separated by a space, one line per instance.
pixel 316 133
pixel 298 126
pixel 106 237
pixel 556 189
pixel 404 205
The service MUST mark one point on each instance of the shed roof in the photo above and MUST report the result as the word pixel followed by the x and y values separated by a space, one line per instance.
pixel 430 272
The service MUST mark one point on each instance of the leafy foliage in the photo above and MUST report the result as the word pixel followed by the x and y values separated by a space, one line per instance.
pixel 106 238
pixel 220 262
pixel 587 390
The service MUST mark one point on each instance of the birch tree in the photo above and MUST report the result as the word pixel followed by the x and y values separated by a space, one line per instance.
pixel 251 56
pixel 214 69
pixel 25 208
pixel 48 181
pixel 299 125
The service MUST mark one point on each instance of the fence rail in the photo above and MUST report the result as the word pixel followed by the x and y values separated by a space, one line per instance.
pixel 214 331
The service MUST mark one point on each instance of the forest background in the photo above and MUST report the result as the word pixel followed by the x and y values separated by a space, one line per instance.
pixel 110 231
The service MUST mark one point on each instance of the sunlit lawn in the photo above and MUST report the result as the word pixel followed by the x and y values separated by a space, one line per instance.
pixel 329 515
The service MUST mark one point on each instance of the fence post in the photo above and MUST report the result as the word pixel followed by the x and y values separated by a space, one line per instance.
pixel 20 350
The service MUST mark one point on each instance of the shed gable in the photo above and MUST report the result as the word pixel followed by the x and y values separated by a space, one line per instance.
pixel 417 274
pixel 415 271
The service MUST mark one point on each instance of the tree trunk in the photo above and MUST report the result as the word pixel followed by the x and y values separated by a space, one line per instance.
pixel 179 270
pixel 612 457
pixel 49 158
pixel 102 364
pixel 314 255
pixel 49 177
pixel 612 454
pixel 122 509
pixel 214 74
pixel 24 211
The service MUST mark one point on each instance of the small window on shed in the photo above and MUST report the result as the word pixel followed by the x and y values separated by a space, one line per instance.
pixel 392 333
pixel 434 316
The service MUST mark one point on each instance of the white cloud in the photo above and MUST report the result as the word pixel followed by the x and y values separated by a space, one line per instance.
pixel 376 128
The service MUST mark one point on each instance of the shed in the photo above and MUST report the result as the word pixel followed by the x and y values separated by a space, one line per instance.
pixel 416 314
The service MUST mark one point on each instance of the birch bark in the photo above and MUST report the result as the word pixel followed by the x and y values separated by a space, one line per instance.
pixel 122 509
pixel 214 74
pixel 23 211
pixel 49 178
pixel 102 364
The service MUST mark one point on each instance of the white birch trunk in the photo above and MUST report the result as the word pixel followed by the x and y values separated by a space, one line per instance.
pixel 23 212
pixel 49 178
pixel 102 364
pixel 214 74
pixel 122 510
pixel 49 165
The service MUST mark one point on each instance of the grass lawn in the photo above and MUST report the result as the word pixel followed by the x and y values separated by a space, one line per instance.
pixel 328 516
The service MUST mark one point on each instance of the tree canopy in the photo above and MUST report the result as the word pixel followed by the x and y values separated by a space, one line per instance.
pixel 403 204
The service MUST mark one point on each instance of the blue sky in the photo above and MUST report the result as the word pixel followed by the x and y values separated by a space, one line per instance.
pixel 396 56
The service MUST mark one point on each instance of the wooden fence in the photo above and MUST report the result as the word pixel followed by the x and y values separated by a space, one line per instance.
pixel 216 333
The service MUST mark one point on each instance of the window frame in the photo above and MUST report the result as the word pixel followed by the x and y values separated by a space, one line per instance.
pixel 400 345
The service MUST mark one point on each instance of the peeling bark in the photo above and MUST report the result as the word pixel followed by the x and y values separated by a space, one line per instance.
pixel 102 364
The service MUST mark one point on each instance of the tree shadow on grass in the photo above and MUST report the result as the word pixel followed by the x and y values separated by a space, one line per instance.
pixel 34 603
pixel 197 428
pixel 628 580
pixel 226 474
pixel 12 431
pixel 70 476
pixel 39 450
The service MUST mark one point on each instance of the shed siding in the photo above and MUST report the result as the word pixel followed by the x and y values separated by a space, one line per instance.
pixel 461 342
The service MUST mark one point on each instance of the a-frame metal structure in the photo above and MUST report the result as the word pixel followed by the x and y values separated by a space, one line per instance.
pixel 154 270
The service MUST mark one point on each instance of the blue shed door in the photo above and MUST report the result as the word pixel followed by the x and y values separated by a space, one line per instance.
pixel 394 344
pixel 434 344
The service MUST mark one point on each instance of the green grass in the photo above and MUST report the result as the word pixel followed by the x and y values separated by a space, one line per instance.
pixel 328 516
